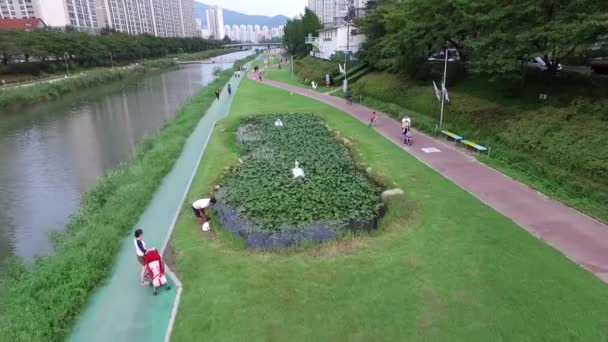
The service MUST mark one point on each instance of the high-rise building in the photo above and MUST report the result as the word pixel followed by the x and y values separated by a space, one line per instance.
pixel 243 33
pixel 333 12
pixel 250 34
pixel 79 14
pixel 173 18
pixel 215 22
pixel 236 33
pixel 15 9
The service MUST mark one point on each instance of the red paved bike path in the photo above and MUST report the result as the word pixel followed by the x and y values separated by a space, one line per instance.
pixel 578 236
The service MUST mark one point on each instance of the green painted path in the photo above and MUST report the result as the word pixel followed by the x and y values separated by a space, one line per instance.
pixel 122 309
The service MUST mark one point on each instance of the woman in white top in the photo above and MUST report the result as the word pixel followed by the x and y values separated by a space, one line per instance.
pixel 199 207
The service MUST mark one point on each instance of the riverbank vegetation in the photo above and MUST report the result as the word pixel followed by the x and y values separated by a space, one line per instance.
pixel 26 94
pixel 40 302
pixel 443 266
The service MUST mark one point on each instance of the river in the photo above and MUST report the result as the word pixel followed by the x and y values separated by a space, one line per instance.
pixel 52 153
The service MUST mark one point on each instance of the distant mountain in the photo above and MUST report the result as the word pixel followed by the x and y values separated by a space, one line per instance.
pixel 237 18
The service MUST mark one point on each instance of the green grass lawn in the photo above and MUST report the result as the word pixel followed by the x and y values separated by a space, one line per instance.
pixel 284 75
pixel 442 267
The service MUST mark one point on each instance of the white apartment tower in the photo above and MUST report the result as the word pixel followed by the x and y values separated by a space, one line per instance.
pixel 215 22
pixel 79 14
pixel 15 9
pixel 331 12
pixel 166 18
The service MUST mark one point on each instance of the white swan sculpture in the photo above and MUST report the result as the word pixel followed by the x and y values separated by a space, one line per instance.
pixel 297 171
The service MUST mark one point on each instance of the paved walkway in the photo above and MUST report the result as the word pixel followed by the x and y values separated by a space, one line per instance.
pixel 578 236
pixel 121 309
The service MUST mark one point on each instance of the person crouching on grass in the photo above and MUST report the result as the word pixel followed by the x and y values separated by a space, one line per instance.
pixel 199 208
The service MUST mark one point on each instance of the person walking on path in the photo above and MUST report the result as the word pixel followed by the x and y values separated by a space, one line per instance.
pixel 229 89
pixel 140 251
pixel 217 93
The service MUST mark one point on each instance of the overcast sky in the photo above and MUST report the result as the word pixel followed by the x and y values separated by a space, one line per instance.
pixel 264 7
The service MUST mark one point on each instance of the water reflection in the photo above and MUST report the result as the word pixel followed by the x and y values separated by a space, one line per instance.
pixel 50 154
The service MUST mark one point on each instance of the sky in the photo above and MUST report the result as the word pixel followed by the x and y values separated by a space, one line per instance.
pixel 264 7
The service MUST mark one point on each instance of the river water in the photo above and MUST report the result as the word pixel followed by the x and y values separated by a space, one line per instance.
pixel 52 153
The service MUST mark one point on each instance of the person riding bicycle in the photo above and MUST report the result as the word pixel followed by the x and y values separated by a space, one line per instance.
pixel 406 124
pixel 349 96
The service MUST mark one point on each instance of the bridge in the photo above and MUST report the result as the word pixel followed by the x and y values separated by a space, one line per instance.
pixel 246 45
pixel 207 61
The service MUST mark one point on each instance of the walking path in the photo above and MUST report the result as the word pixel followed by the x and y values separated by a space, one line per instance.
pixel 578 236
pixel 121 309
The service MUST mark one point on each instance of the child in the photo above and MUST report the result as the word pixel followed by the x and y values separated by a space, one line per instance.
pixel 372 119
pixel 140 251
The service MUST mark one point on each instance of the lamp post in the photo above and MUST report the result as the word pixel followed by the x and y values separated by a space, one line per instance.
pixel 345 82
pixel 445 73
pixel 111 60
pixel 67 67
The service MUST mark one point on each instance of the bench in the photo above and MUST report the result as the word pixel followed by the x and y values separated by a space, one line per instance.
pixel 454 136
pixel 474 145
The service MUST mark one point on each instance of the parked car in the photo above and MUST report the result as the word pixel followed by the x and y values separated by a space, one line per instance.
pixel 600 65
pixel 538 63
pixel 453 55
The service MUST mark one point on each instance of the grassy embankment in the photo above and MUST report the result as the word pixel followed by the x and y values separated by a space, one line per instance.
pixel 443 266
pixel 41 301
pixel 16 96
pixel 307 68
pixel 558 147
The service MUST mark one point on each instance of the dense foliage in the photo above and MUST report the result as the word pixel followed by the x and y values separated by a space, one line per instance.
pixel 263 189
pixel 41 303
pixel 48 48
pixel 296 31
pixel 494 37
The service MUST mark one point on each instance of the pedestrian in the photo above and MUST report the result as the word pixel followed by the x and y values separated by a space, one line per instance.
pixel 217 93
pixel 372 119
pixel 229 90
pixel 140 251
pixel 260 75
pixel 327 80
pixel 199 208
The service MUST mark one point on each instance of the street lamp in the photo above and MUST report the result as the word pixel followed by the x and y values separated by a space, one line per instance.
pixel 111 60
pixel 67 67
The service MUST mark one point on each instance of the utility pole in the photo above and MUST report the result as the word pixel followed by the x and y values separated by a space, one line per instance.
pixel 445 72
pixel 345 82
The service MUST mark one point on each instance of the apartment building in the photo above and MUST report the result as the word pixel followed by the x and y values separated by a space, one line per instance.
pixel 215 22
pixel 16 9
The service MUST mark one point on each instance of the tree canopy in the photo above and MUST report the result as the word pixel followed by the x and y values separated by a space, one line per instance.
pixel 493 37
pixel 296 31
pixel 92 50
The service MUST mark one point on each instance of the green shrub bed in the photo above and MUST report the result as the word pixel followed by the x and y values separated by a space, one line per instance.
pixel 41 301
pixel 261 201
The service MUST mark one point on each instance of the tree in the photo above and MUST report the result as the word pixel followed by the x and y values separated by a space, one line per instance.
pixel 493 37
pixel 297 29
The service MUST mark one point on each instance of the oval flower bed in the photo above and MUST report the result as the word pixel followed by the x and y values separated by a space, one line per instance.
pixel 262 202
